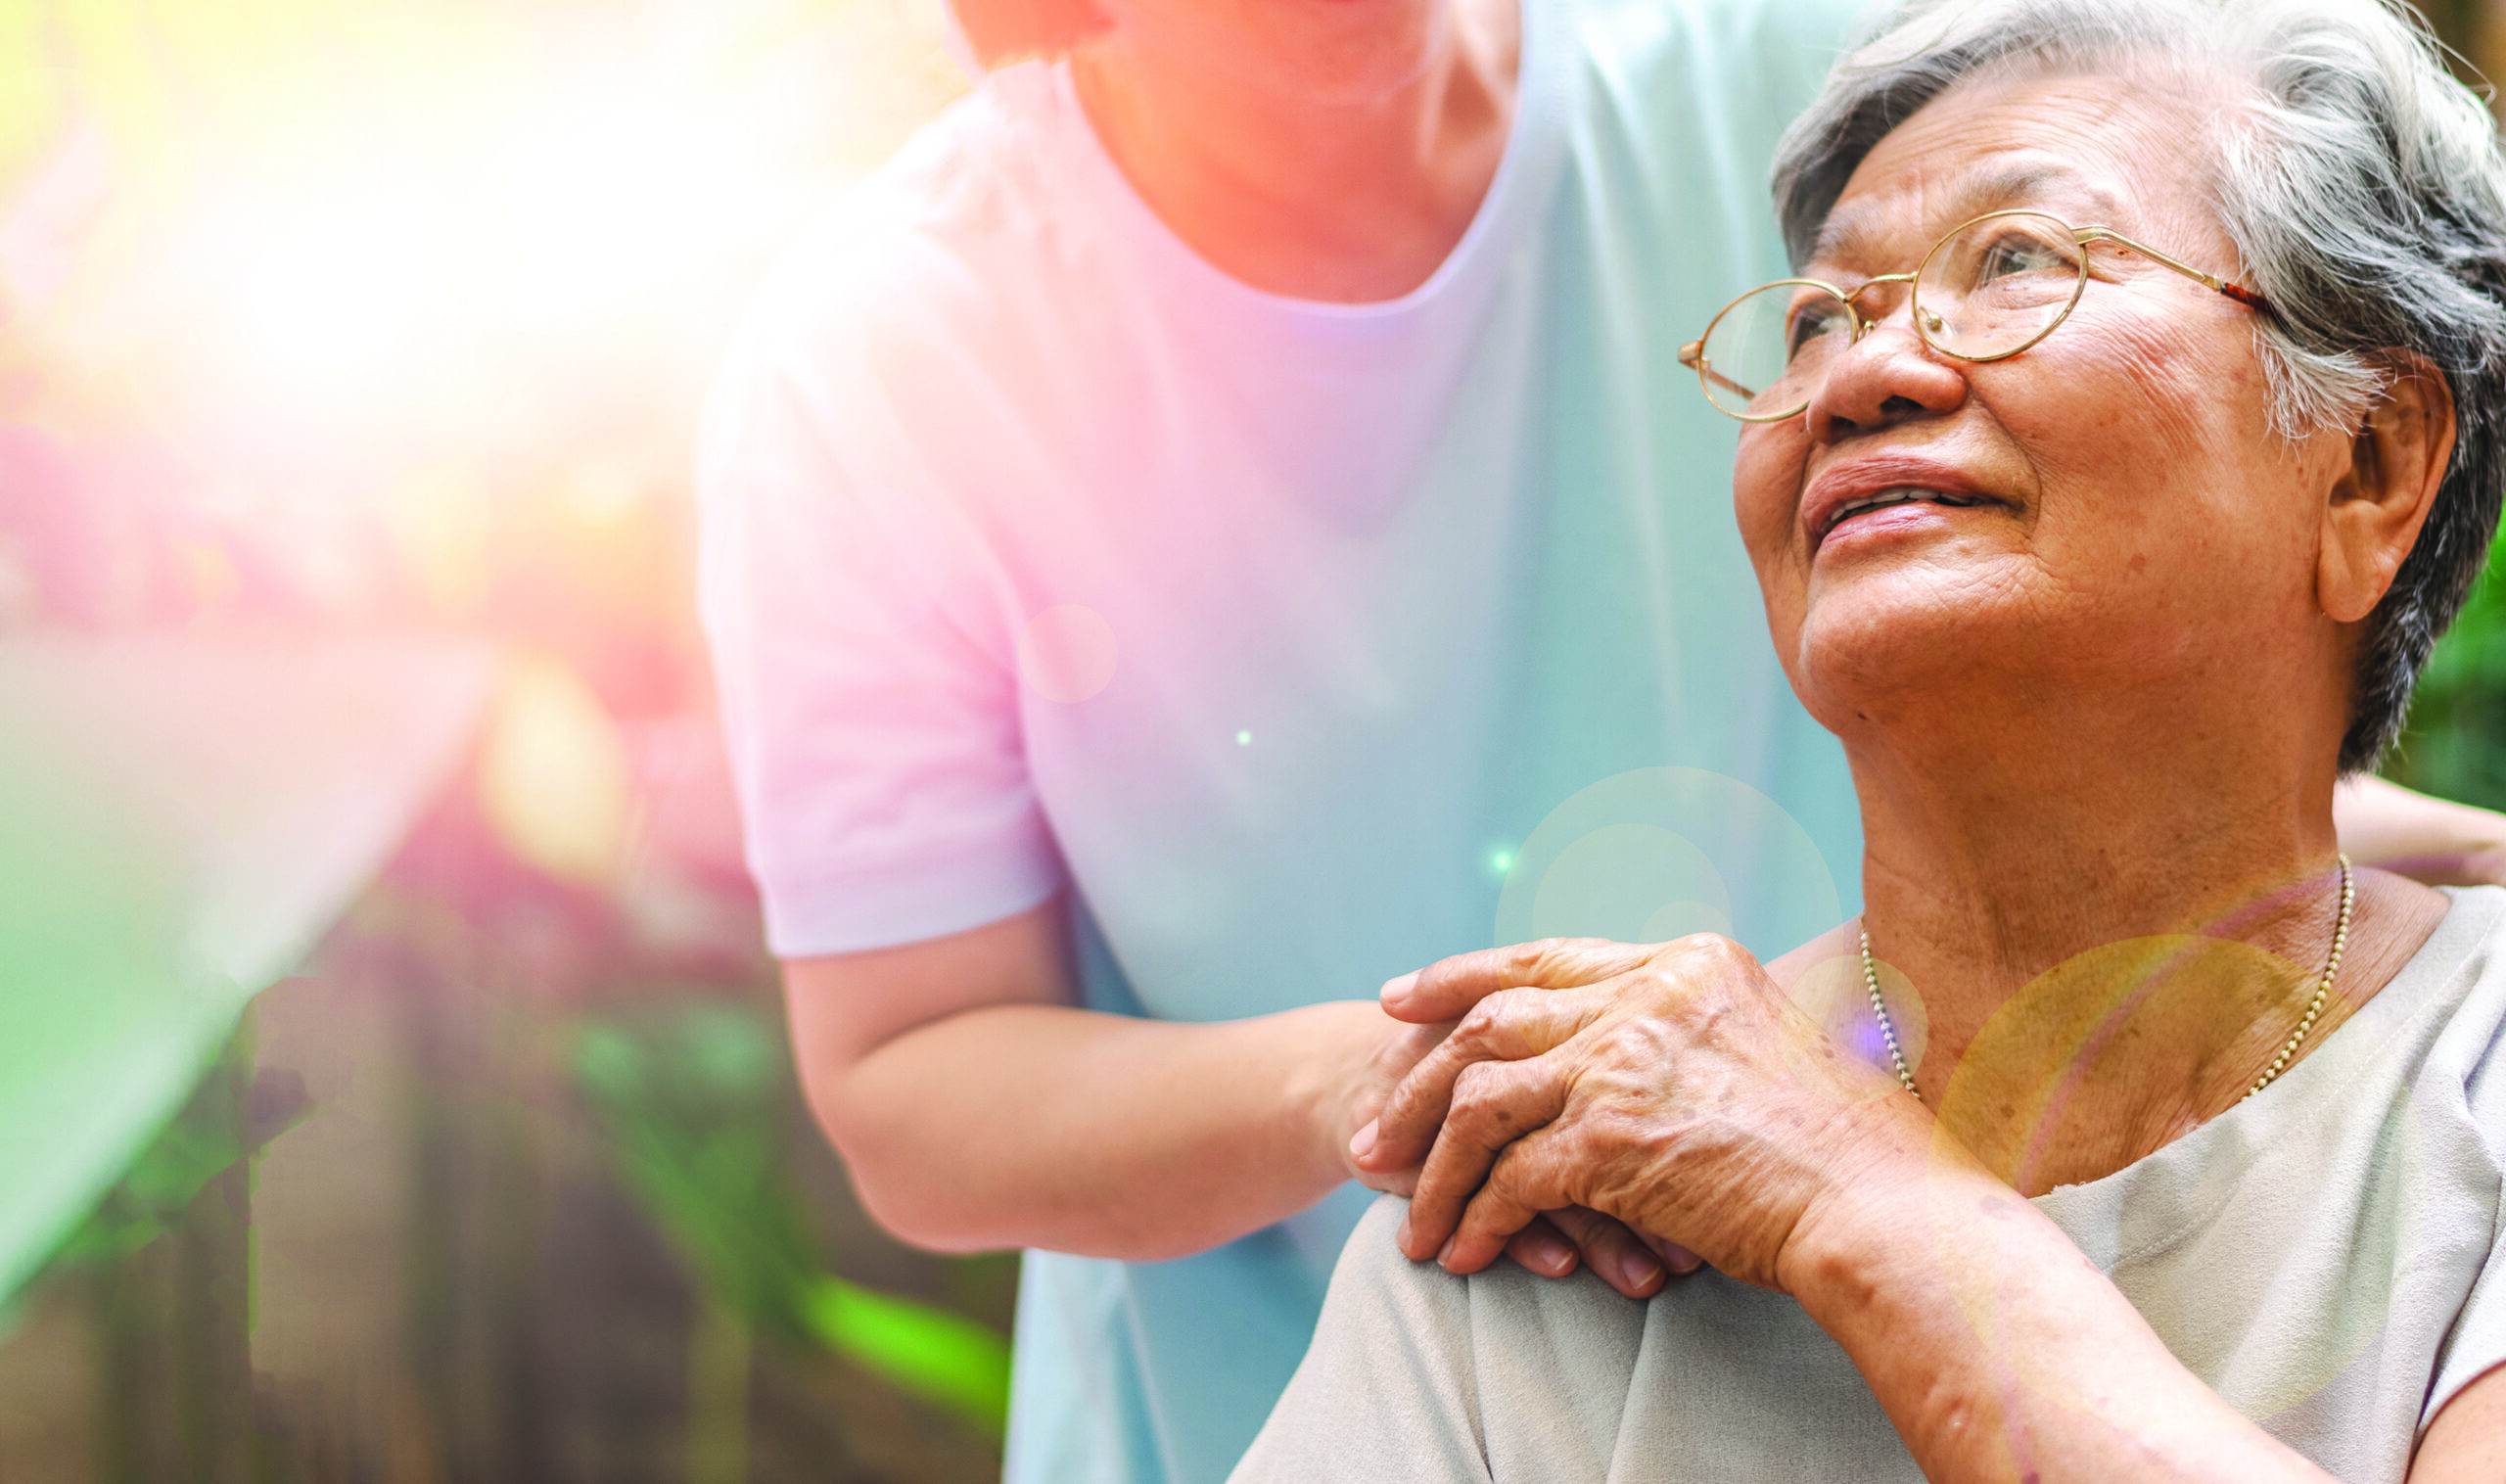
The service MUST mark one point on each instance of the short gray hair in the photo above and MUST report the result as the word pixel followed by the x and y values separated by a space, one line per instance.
pixel 2361 184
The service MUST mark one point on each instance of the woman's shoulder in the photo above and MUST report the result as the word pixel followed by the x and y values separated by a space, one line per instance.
pixel 2481 908
pixel 1375 1286
pixel 2462 971
pixel 2444 1009
pixel 1417 1374
pixel 1373 1271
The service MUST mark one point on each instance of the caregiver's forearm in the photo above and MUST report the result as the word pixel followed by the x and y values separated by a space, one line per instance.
pixel 1043 1126
pixel 2433 840
pixel 2002 1353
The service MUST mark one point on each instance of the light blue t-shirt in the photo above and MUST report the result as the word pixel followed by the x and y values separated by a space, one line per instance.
pixel 1304 643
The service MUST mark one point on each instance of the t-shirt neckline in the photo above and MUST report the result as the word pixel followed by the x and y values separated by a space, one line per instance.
pixel 1533 146
pixel 2301 1091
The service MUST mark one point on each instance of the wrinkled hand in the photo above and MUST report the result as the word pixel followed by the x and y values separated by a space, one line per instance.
pixel 1673 1087
pixel 1552 1245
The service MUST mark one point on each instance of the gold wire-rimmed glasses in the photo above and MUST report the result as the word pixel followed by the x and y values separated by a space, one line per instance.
pixel 1990 288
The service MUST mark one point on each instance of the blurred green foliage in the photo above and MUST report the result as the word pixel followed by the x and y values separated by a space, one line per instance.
pixel 694 1097
pixel 230 1116
pixel 2455 746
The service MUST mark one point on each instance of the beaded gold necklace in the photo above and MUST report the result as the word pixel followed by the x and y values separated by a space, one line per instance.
pixel 2279 1064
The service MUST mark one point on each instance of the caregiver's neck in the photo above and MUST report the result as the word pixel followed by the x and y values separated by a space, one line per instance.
pixel 2007 858
pixel 1322 152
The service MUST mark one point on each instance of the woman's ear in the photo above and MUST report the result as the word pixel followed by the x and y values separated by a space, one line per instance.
pixel 2398 459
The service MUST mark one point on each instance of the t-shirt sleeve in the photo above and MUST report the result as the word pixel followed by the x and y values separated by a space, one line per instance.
pixel 1416 1376
pixel 2476 1344
pixel 867 685
pixel 1386 1394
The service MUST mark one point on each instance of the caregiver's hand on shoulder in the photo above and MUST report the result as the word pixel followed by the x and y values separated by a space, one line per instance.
pixel 1673 1087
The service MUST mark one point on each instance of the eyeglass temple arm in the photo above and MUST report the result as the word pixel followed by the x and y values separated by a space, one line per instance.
pixel 2237 292
pixel 1692 356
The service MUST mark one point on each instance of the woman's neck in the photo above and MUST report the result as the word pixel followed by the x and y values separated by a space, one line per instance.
pixel 1315 188
pixel 2111 928
pixel 2006 869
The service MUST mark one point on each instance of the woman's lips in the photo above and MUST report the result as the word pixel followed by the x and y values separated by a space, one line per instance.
pixel 1861 489
pixel 1893 497
pixel 1885 521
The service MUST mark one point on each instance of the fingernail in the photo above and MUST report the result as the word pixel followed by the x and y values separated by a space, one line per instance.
pixel 1401 1238
pixel 1396 989
pixel 1551 1255
pixel 1444 1254
pixel 1362 1143
pixel 1682 1261
pixel 1640 1271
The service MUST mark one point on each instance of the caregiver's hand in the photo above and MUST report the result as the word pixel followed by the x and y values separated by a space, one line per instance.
pixel 1673 1087
pixel 1364 1091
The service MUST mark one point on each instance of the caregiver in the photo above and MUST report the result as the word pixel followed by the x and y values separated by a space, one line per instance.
pixel 1170 536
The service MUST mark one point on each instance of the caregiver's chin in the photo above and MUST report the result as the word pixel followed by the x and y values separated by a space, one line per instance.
pixel 2115 540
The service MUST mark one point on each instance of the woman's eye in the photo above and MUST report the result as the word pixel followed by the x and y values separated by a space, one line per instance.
pixel 1810 324
pixel 2013 255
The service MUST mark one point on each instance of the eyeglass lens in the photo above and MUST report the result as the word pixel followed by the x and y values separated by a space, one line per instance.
pixel 1991 289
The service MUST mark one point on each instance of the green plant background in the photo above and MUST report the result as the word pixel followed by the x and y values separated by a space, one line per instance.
pixel 2455 745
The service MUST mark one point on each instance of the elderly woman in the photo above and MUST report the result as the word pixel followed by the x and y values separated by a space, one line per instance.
pixel 2132 430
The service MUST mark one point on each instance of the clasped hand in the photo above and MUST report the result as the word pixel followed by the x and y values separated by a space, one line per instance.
pixel 1671 1088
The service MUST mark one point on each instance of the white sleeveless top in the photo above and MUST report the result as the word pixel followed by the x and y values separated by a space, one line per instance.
pixel 2321 1255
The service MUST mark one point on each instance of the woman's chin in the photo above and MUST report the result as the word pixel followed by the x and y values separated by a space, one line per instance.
pixel 1894 638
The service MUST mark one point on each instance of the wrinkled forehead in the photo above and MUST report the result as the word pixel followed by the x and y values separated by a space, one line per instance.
pixel 1869 231
pixel 2104 149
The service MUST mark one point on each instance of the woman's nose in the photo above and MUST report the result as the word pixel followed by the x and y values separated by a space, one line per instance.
pixel 1888 376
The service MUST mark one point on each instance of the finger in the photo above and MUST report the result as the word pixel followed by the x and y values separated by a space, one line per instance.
pixel 1520 1184
pixel 1625 1261
pixel 1677 1257
pixel 1540 1249
pixel 1523 1183
pixel 1397 1059
pixel 1390 1182
pixel 1447 990
pixel 1635 1264
pixel 1515 1025
pixel 1495 1103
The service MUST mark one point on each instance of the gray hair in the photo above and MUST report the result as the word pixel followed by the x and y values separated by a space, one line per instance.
pixel 2362 185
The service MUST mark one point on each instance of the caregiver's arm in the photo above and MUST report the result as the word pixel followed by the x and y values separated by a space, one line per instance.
pixel 2429 840
pixel 977 1109
pixel 2467 1443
